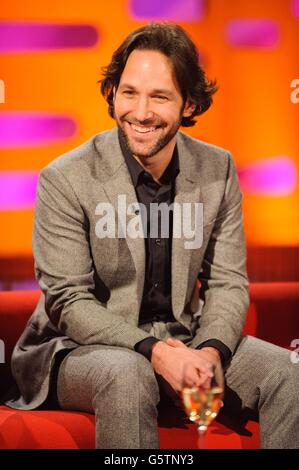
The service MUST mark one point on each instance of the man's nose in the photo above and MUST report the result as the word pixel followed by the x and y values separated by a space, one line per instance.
pixel 142 110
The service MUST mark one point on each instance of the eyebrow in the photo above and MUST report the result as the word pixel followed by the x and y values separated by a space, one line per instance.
pixel 161 91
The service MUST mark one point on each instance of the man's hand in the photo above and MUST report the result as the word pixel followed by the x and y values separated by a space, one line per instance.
pixel 210 354
pixel 213 356
pixel 173 360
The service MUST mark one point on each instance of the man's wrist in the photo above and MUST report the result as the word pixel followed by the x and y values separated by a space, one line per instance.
pixel 224 351
pixel 213 351
pixel 156 349
pixel 145 346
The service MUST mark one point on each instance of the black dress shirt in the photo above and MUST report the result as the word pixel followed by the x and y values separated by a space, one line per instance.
pixel 156 299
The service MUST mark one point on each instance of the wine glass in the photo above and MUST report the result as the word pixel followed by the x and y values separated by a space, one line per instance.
pixel 202 403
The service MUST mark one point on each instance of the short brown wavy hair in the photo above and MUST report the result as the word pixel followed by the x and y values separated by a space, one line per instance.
pixel 172 41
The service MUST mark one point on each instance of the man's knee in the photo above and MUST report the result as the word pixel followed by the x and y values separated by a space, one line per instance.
pixel 130 370
pixel 273 363
pixel 262 354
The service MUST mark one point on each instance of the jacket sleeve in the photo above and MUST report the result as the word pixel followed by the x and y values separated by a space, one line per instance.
pixel 65 272
pixel 223 277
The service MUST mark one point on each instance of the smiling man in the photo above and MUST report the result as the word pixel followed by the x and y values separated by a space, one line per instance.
pixel 149 107
pixel 125 321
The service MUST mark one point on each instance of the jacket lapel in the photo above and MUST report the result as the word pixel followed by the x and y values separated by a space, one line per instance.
pixel 119 183
pixel 187 191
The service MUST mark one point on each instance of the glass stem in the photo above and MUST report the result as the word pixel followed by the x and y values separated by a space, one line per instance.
pixel 201 436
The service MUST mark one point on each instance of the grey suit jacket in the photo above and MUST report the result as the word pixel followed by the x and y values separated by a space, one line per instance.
pixel 92 288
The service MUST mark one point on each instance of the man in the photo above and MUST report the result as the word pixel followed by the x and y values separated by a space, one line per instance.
pixel 121 318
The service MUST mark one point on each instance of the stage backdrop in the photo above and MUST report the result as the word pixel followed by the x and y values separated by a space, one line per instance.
pixel 51 53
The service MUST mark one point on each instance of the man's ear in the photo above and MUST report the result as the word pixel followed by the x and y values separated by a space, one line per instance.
pixel 189 108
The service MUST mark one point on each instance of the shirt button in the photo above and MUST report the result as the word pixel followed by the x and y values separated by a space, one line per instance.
pixel 156 284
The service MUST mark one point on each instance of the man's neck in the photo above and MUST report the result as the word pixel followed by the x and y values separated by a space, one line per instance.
pixel 157 164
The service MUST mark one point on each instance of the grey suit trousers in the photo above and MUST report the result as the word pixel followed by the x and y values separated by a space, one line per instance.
pixel 120 387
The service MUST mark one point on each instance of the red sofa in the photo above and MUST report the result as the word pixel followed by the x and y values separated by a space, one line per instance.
pixel 273 316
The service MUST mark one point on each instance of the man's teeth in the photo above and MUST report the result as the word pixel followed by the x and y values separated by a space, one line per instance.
pixel 143 129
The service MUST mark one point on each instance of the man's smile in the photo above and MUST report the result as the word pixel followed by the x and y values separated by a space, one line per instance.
pixel 141 129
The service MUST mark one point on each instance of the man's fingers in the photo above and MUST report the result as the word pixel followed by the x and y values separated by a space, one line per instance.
pixel 206 371
pixel 205 381
pixel 175 343
pixel 195 377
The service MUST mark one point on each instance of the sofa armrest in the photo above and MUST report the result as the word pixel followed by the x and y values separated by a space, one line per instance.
pixel 274 312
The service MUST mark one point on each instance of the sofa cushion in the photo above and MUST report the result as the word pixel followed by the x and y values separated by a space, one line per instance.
pixel 74 430
pixel 45 429
pixel 15 310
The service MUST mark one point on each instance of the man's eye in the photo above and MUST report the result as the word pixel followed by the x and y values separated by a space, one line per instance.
pixel 128 92
pixel 160 97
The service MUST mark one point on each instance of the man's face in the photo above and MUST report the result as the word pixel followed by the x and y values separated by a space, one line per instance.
pixel 148 105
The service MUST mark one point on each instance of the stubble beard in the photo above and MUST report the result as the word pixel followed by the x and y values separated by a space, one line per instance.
pixel 157 147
